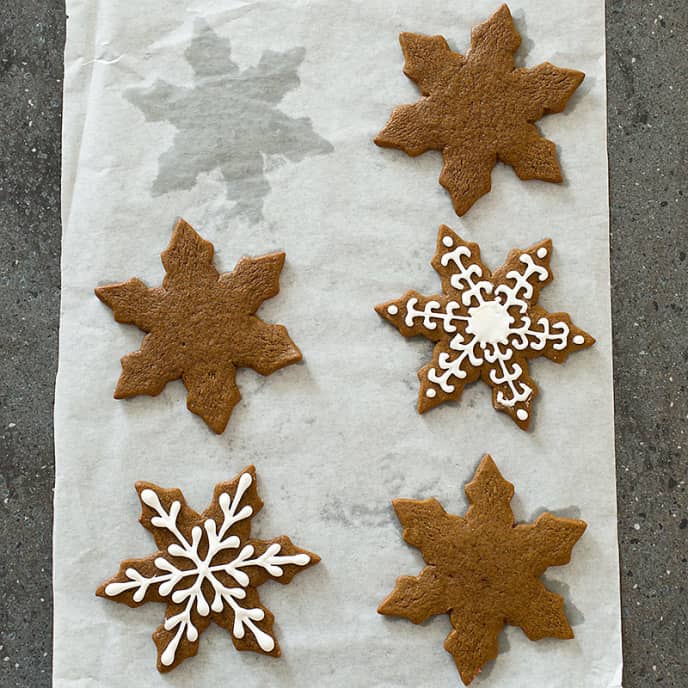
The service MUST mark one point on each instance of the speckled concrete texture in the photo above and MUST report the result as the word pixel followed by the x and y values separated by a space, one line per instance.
pixel 648 153
pixel 31 40
pixel 648 148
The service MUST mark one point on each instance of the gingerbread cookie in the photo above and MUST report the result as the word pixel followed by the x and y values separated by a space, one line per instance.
pixel 201 326
pixel 478 108
pixel 482 570
pixel 485 325
pixel 207 569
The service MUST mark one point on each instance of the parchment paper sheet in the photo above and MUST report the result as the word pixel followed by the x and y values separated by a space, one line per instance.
pixel 336 437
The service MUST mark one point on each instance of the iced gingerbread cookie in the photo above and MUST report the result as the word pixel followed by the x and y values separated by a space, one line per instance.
pixel 485 325
pixel 483 570
pixel 201 326
pixel 478 108
pixel 207 568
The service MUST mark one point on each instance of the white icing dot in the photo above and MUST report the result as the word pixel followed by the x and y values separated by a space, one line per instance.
pixel 448 241
pixel 522 414
pixel 393 309
pixel 541 252
pixel 579 339
pixel 430 393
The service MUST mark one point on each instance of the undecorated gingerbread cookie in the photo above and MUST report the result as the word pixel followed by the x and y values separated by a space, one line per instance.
pixel 478 108
pixel 483 570
pixel 207 569
pixel 201 326
pixel 485 325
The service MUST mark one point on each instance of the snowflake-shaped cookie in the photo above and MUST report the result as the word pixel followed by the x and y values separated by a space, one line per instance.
pixel 201 326
pixel 485 325
pixel 483 570
pixel 478 108
pixel 207 569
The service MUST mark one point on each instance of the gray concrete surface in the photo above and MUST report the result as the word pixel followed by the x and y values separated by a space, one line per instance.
pixel 648 135
pixel 31 40
pixel 647 53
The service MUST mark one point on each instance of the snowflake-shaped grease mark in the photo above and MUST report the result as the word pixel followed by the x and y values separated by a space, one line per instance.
pixel 207 569
pixel 483 570
pixel 485 325
pixel 228 120
pixel 478 109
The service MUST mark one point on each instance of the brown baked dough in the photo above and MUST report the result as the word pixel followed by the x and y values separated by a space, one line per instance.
pixel 478 108
pixel 201 326
pixel 485 325
pixel 207 569
pixel 482 570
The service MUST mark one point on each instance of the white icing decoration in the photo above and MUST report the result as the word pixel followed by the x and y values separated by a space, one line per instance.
pixel 393 309
pixel 489 322
pixel 491 334
pixel 518 391
pixel 522 291
pixel 579 339
pixel 203 570
pixel 433 311
pixel 463 279
pixel 528 337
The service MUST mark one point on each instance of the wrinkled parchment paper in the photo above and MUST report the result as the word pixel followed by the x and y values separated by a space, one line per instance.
pixel 154 128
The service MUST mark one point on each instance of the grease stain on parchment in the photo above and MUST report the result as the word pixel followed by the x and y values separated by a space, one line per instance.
pixel 228 120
